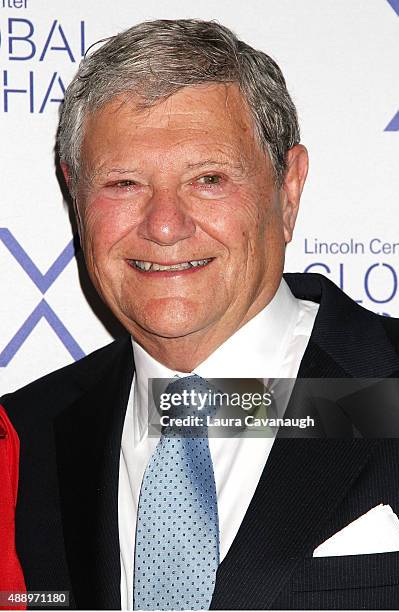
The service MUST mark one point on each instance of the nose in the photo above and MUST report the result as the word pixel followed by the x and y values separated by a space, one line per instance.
pixel 166 221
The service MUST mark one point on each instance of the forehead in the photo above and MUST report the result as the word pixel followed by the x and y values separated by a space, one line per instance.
pixel 199 116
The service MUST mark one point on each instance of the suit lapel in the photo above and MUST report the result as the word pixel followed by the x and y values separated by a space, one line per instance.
pixel 88 440
pixel 304 479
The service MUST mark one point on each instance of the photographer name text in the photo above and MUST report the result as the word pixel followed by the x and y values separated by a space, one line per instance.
pixel 248 421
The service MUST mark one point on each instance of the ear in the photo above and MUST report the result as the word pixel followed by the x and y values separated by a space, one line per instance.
pixel 66 173
pixel 67 176
pixel 291 190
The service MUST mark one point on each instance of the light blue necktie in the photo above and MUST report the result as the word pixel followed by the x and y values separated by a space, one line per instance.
pixel 177 536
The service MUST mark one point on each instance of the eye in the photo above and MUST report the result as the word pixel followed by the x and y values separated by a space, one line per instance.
pixel 209 180
pixel 125 183
pixel 123 187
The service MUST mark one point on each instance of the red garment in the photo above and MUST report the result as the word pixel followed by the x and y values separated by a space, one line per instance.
pixel 11 576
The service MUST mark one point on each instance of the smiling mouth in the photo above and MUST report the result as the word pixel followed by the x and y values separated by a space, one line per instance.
pixel 149 266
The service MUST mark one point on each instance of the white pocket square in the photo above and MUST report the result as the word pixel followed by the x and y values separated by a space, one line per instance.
pixel 377 531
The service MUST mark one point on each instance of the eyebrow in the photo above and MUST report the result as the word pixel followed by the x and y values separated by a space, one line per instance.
pixel 120 171
pixel 214 162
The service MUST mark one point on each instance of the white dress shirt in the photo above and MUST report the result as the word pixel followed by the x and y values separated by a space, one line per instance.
pixel 271 345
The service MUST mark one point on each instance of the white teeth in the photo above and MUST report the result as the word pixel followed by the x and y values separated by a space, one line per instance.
pixel 148 265
pixel 183 266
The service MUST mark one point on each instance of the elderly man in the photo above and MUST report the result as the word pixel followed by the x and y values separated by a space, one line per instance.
pixel 180 147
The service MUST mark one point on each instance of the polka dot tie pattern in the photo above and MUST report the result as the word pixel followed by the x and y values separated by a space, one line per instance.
pixel 177 536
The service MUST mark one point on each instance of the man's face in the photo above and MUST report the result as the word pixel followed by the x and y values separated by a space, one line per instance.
pixel 183 186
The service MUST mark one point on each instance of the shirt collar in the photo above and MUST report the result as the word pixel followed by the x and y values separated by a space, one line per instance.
pixel 256 350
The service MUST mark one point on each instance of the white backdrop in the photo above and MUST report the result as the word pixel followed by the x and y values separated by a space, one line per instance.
pixel 340 59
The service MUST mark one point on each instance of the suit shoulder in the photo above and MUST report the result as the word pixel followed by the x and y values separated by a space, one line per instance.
pixel 52 392
pixel 391 327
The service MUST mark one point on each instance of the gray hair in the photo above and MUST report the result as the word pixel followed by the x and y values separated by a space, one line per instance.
pixel 155 59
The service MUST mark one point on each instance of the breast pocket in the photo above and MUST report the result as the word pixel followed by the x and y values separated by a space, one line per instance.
pixel 347 582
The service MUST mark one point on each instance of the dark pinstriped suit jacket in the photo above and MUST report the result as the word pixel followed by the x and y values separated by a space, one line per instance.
pixel 70 425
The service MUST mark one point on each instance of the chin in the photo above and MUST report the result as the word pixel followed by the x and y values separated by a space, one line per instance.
pixel 169 320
